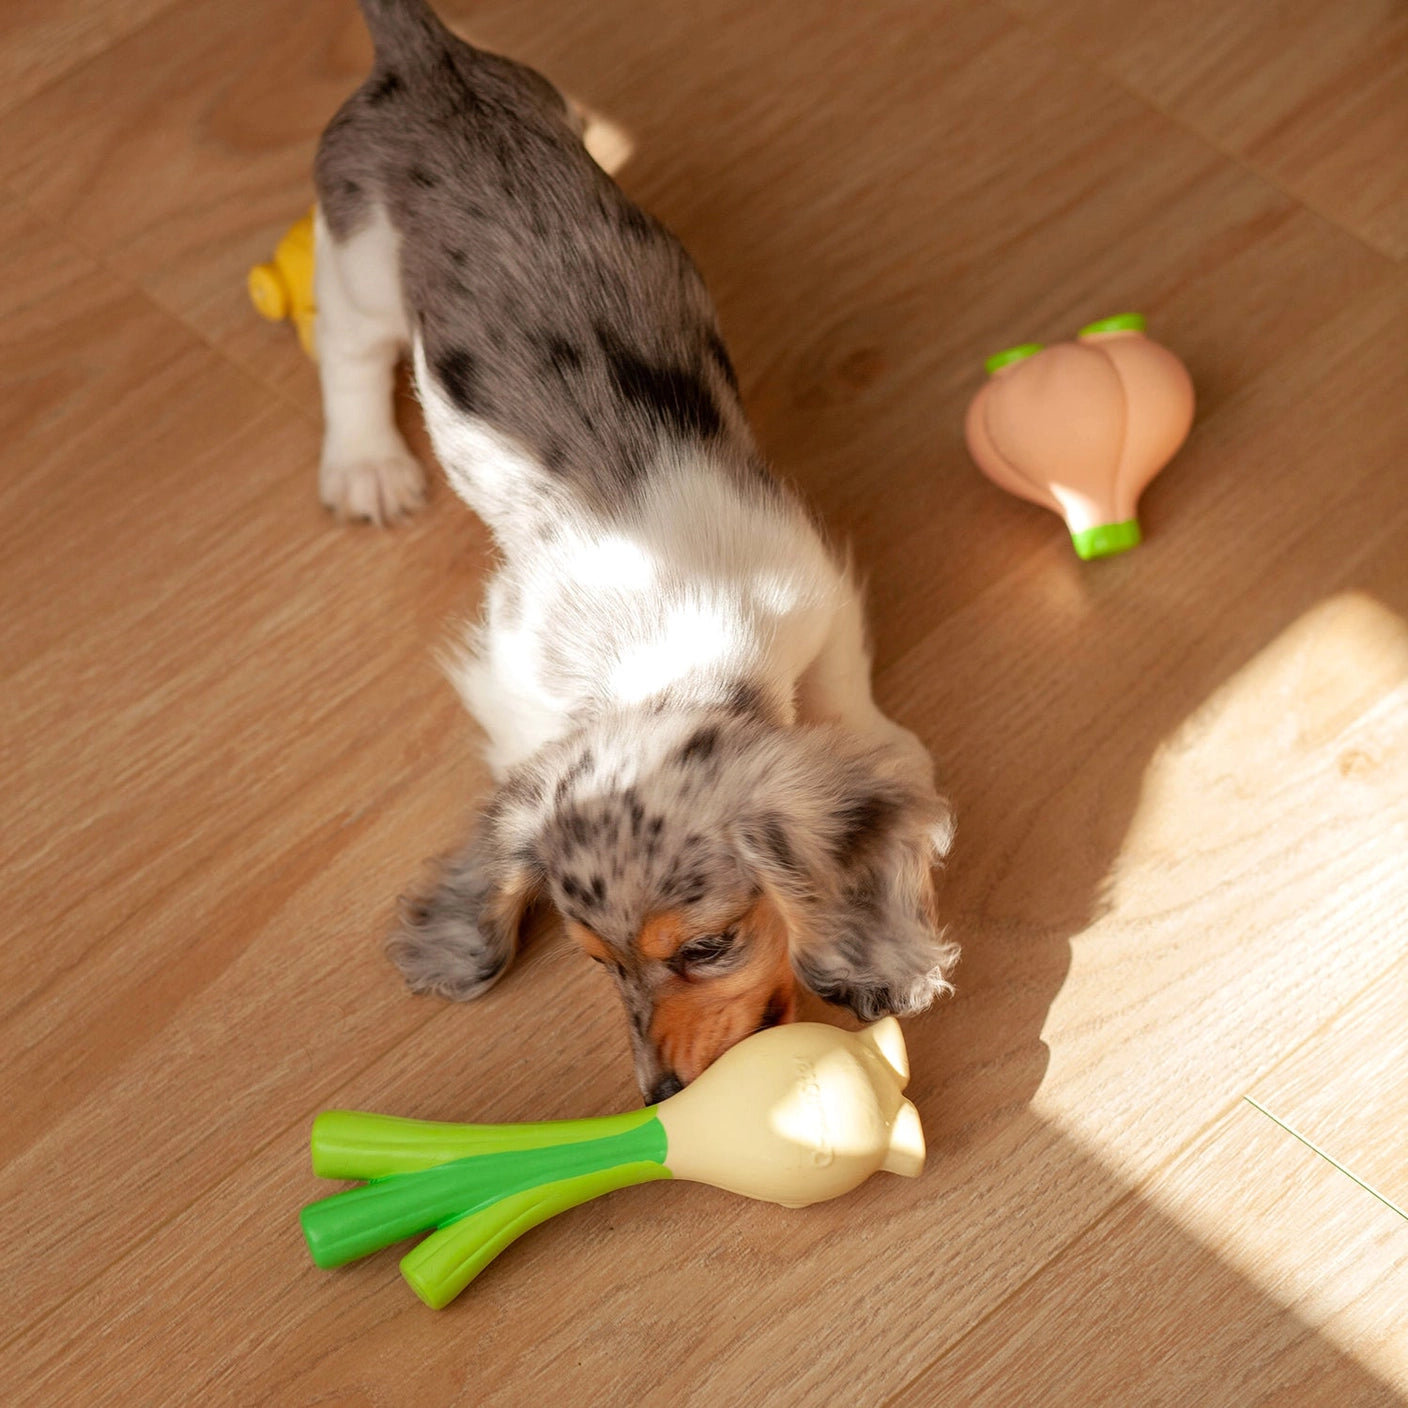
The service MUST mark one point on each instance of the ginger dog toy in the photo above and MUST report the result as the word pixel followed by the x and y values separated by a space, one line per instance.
pixel 1082 427
pixel 791 1115
pixel 283 288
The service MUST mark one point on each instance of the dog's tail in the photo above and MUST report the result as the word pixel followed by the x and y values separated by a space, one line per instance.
pixel 406 33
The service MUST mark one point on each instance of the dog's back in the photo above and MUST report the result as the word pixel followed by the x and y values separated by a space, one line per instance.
pixel 544 304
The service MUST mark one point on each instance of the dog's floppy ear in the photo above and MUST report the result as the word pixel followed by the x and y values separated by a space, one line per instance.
pixel 845 847
pixel 459 935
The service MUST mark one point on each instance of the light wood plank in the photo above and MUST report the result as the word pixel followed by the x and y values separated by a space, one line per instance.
pixel 1346 1090
pixel 211 111
pixel 1154 1304
pixel 1315 96
pixel 133 726
pixel 41 40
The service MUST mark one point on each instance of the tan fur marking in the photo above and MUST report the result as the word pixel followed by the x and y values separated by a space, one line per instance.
pixel 697 1020
pixel 662 934
pixel 592 943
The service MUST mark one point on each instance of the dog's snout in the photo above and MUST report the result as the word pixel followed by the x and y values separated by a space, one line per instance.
pixel 669 1084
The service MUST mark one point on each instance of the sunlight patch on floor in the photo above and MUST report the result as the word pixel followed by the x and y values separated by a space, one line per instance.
pixel 1279 809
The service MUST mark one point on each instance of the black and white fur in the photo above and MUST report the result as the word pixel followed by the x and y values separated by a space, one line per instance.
pixel 672 669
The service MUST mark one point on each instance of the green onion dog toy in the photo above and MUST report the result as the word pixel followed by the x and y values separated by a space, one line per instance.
pixel 792 1115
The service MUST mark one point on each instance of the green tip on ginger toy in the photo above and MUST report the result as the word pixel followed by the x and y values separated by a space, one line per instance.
pixel 282 289
pixel 793 1115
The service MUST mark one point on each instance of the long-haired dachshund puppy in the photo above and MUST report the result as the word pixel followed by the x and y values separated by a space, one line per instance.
pixel 672 668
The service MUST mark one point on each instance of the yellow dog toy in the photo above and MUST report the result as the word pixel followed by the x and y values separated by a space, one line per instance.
pixel 283 288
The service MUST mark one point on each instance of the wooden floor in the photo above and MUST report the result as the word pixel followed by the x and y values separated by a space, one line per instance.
pixel 1181 776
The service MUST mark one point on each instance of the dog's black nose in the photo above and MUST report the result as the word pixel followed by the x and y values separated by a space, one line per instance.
pixel 669 1084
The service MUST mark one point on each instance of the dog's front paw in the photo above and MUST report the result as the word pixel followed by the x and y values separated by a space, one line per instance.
pixel 442 956
pixel 379 488
pixel 441 947
pixel 890 980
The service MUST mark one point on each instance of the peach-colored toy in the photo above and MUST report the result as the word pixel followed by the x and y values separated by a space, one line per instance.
pixel 1082 427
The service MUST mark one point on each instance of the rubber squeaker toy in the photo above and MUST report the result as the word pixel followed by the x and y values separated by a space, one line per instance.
pixel 793 1115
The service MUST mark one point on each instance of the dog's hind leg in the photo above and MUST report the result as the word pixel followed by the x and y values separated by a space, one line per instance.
pixel 367 471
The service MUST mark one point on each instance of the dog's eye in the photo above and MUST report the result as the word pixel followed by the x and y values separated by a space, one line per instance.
pixel 709 950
